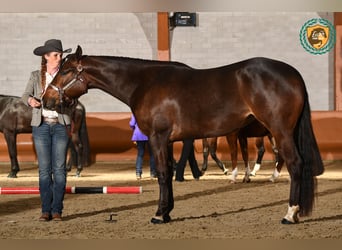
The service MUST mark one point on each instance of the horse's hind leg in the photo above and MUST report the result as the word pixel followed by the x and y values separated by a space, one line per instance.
pixel 219 163
pixel 212 150
pixel 244 151
pixel 74 158
pixel 259 143
pixel 205 154
pixel 11 140
pixel 79 161
pixel 70 158
pixel 210 146
pixel 232 142
pixel 77 150
pixel 288 151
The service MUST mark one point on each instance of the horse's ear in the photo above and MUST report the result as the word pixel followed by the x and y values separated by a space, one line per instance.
pixel 78 52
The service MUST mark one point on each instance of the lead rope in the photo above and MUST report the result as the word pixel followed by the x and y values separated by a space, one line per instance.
pixel 69 131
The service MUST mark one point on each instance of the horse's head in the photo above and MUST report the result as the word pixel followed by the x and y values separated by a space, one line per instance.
pixel 69 83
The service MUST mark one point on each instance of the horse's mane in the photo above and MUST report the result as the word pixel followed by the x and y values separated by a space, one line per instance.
pixel 132 60
pixel 144 61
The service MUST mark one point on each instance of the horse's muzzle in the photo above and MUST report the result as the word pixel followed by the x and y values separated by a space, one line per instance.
pixel 50 104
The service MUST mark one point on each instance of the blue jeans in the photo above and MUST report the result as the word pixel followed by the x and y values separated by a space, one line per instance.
pixel 141 145
pixel 51 144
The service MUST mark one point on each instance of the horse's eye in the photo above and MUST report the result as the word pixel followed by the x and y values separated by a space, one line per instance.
pixel 64 72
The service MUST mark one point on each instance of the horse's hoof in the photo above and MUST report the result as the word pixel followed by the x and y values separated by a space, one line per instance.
pixel 161 220
pixel 225 172
pixel 12 175
pixel 167 218
pixel 252 174
pixel 292 216
pixel 157 221
pixel 245 180
pixel 287 222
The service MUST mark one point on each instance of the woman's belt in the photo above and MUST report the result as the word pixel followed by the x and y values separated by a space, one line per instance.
pixel 50 119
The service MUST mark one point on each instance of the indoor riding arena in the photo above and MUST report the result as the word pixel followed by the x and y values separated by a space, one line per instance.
pixel 107 201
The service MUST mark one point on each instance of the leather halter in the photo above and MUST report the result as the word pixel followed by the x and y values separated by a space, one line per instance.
pixel 61 94
pixel 77 77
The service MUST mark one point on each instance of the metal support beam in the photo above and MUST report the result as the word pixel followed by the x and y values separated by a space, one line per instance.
pixel 163 36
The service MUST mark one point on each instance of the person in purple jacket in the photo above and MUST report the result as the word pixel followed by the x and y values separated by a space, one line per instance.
pixel 141 141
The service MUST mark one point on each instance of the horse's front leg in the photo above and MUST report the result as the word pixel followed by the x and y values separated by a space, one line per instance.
pixel 163 156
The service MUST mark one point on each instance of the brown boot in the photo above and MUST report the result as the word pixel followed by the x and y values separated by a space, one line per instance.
pixel 56 217
pixel 45 217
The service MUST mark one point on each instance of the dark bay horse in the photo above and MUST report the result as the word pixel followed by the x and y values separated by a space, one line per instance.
pixel 167 99
pixel 254 129
pixel 15 118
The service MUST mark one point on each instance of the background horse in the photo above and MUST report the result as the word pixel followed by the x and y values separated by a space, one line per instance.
pixel 167 100
pixel 15 118
pixel 254 129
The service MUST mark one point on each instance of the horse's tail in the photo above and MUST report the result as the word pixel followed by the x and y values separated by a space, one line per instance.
pixel 310 156
pixel 83 133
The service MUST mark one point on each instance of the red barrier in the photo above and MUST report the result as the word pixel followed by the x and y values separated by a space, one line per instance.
pixel 75 190
pixel 19 190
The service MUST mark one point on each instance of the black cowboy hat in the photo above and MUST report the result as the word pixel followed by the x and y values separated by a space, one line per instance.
pixel 52 45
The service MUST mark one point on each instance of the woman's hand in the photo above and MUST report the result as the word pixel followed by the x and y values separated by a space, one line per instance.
pixel 33 102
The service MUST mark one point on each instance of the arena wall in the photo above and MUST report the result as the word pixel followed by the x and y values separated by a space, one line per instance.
pixel 110 140
pixel 219 38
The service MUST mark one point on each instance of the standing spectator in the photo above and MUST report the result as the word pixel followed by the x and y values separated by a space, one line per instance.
pixel 188 154
pixel 141 141
pixel 49 131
